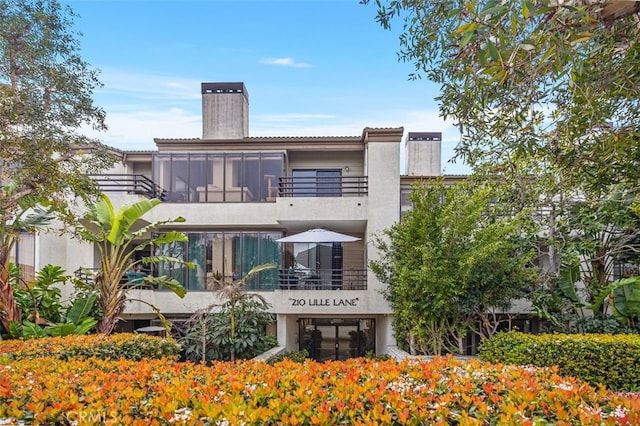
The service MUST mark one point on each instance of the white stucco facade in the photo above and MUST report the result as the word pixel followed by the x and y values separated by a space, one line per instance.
pixel 235 202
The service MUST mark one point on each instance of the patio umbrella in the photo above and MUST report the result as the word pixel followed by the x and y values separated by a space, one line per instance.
pixel 318 235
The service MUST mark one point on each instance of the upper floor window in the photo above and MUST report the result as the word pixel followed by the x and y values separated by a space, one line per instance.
pixel 316 183
pixel 218 177
pixel 23 254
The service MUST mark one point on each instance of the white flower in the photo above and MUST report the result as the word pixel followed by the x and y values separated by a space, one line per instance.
pixel 620 412
pixel 564 386
pixel 181 415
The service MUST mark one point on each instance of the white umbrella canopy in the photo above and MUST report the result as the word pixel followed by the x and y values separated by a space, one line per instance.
pixel 318 235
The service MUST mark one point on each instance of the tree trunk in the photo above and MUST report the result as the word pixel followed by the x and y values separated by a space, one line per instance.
pixel 204 341
pixel 9 309
pixel 233 331
pixel 112 300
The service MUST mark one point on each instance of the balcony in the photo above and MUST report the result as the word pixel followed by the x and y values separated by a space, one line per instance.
pixel 129 184
pixel 322 279
pixel 322 186
pixel 288 279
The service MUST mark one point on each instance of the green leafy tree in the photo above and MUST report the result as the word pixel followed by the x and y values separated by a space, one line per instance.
pixel 598 236
pixel 45 97
pixel 533 83
pixel 457 258
pixel 234 328
pixel 119 237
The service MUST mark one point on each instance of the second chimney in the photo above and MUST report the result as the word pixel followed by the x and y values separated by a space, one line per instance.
pixel 423 151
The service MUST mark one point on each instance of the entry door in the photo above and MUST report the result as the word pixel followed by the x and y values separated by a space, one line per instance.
pixel 336 342
pixel 340 339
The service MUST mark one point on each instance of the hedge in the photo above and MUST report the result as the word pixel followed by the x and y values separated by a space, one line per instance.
pixel 442 391
pixel 611 360
pixel 131 346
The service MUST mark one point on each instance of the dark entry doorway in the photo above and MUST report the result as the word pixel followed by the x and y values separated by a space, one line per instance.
pixel 337 339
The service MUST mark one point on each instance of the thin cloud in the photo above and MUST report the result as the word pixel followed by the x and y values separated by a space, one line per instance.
pixel 136 131
pixel 285 62
pixel 147 86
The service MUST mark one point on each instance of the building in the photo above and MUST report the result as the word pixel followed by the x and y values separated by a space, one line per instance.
pixel 240 194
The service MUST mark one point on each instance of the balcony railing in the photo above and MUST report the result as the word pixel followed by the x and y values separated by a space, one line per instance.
pixel 322 186
pixel 288 279
pixel 129 183
pixel 323 279
pixel 129 279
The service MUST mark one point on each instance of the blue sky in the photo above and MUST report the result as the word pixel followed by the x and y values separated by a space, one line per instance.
pixel 312 68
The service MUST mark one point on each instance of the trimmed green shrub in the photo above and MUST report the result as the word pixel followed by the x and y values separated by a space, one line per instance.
pixel 381 357
pixel 131 346
pixel 610 360
pixel 296 356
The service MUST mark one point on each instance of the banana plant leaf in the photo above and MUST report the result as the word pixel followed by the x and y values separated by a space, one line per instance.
pixel 624 298
pixel 81 308
pixel 85 325
pixel 61 329
pixel 569 276
pixel 168 282
pixel 31 330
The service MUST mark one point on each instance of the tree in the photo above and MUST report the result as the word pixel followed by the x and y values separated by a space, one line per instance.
pixel 234 328
pixel 598 236
pixel 532 83
pixel 119 236
pixel 455 258
pixel 45 97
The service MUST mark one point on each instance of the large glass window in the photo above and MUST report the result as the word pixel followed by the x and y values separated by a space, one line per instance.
pixel 224 256
pixel 271 172
pixel 162 172
pixel 219 177
pixel 175 270
pixel 196 253
pixel 197 176
pixel 179 190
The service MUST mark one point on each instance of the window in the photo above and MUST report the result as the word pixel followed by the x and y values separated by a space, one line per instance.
pixel 225 256
pixel 317 183
pixel 219 177
pixel 23 254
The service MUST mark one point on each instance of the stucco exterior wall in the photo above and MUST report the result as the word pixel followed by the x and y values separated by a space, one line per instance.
pixel 383 167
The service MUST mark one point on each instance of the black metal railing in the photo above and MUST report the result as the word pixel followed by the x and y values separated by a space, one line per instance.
pixel 129 278
pixel 86 274
pixel 129 183
pixel 322 186
pixel 322 279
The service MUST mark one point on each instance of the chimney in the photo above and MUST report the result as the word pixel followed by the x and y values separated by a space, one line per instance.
pixel 225 111
pixel 423 152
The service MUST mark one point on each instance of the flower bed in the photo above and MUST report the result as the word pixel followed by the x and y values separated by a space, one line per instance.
pixel 358 391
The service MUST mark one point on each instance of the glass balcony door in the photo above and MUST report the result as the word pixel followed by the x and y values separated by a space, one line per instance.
pixel 317 183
